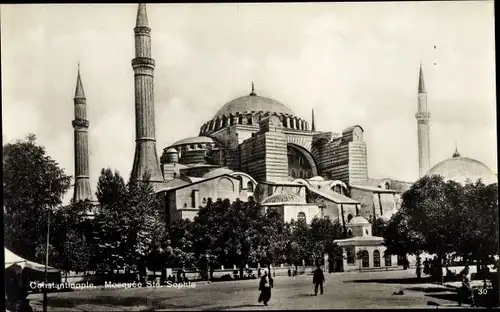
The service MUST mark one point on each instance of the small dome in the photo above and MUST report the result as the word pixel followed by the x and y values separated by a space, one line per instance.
pixel 172 150
pixel 459 169
pixel 217 172
pixel 283 198
pixel 194 140
pixel 359 220
pixel 317 178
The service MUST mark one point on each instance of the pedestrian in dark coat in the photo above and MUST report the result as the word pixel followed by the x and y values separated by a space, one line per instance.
pixel 318 279
pixel 289 272
pixel 259 273
pixel 265 285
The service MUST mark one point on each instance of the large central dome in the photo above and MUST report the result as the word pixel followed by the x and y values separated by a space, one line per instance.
pixel 253 103
pixel 247 111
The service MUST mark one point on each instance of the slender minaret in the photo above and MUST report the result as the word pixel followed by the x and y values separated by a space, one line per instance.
pixel 145 159
pixel 81 126
pixel 423 117
pixel 313 125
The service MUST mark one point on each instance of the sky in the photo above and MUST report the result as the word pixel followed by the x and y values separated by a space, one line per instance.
pixel 355 63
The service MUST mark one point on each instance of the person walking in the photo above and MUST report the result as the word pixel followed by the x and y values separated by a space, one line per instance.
pixel 289 272
pixel 265 285
pixel 318 279
pixel 259 273
pixel 466 291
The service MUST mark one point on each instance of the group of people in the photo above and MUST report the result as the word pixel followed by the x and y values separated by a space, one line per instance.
pixel 267 282
pixel 292 273
pixel 16 290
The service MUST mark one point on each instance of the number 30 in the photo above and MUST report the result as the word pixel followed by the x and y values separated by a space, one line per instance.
pixel 483 291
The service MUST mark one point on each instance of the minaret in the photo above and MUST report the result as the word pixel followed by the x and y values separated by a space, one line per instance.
pixel 313 126
pixel 82 190
pixel 423 117
pixel 145 159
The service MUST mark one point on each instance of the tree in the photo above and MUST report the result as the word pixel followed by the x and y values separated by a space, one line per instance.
pixel 478 239
pixel 33 184
pixel 209 226
pixel 241 236
pixel 323 233
pixel 128 225
pixel 273 239
pixel 378 226
pixel 298 248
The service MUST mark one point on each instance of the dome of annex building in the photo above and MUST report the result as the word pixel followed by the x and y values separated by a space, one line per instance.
pixel 359 220
pixel 460 169
pixel 282 198
pixel 250 110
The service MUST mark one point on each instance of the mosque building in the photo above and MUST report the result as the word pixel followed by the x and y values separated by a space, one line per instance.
pixel 257 146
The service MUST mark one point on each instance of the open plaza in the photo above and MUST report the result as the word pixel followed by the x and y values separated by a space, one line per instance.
pixel 342 291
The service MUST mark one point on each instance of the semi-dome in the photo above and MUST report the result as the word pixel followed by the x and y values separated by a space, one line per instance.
pixel 282 198
pixel 217 172
pixel 460 169
pixel 194 140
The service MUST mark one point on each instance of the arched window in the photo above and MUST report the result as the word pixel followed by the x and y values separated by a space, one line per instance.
pixel 204 201
pixel 301 173
pixel 350 255
pixel 185 205
pixel 365 259
pixel 249 121
pixel 387 185
pixel 349 218
pixel 293 173
pixel 376 258
pixel 240 119
pixel 309 173
pixel 200 146
pixel 249 186
pixel 301 216
pixel 301 161
pixel 388 260
pixel 349 232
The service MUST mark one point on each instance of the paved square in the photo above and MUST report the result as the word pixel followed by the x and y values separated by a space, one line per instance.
pixel 342 290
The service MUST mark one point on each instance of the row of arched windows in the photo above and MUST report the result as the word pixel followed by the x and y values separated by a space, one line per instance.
pixel 301 173
pixel 365 258
pixel 241 119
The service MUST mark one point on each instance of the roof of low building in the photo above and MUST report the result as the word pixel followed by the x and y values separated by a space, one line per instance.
pixel 283 198
pixel 373 189
pixel 331 195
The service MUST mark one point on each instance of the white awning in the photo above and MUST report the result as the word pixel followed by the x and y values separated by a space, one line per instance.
pixel 11 259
